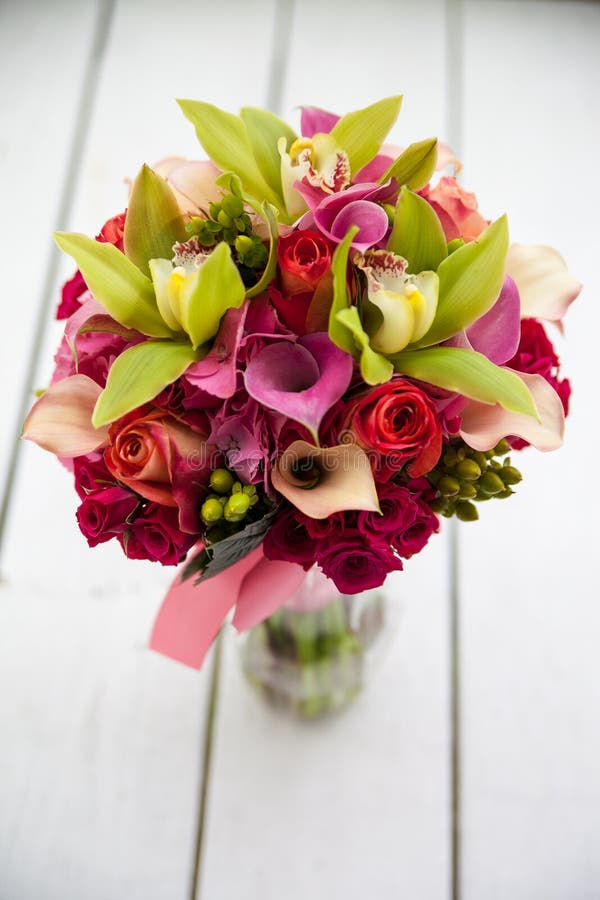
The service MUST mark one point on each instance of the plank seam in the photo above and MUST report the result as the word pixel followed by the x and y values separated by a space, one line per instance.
pixel 83 117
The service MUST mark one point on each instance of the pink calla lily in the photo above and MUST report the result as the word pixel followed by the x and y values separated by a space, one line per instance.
pixel 301 380
pixel 61 420
pixel 484 425
pixel 320 481
pixel 545 285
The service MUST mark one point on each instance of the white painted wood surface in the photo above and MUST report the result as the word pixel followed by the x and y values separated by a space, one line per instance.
pixel 100 740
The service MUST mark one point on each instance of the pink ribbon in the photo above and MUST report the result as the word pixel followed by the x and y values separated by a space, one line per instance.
pixel 190 616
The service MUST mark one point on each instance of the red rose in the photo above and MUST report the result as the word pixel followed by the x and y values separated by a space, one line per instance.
pixel 112 231
pixel 289 540
pixel 399 422
pixel 105 513
pixel 355 564
pixel 155 535
pixel 304 257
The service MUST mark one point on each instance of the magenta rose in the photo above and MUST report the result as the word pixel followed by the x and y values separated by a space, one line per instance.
pixel 288 539
pixel 105 513
pixel 155 535
pixel 536 356
pixel 91 475
pixel 399 423
pixel 355 565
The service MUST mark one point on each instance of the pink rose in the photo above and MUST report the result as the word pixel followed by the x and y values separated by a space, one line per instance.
pixel 456 209
pixel 155 535
pixel 105 513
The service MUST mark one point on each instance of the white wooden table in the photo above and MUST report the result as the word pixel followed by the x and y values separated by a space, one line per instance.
pixel 470 768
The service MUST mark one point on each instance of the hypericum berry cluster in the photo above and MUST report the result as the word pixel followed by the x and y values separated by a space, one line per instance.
pixel 229 222
pixel 464 475
pixel 230 506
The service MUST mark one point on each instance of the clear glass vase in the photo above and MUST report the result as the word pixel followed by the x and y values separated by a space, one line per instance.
pixel 315 654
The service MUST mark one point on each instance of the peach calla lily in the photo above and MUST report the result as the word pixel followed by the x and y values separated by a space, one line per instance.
pixel 61 420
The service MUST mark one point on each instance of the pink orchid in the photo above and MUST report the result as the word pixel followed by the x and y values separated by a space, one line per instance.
pixel 495 334
pixel 357 205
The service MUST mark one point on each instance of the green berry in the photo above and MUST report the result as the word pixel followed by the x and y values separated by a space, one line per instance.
pixel 221 481
pixel 466 512
pixel 510 475
pixel 490 483
pixel 211 511
pixel 236 507
pixel 448 486
pixel 502 448
pixel 468 470
pixel 232 206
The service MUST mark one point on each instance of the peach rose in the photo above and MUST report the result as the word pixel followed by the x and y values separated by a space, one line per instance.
pixel 148 453
pixel 456 210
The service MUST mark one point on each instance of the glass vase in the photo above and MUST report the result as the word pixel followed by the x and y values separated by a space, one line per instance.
pixel 315 654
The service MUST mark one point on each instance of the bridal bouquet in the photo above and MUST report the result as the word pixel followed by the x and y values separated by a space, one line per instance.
pixel 301 352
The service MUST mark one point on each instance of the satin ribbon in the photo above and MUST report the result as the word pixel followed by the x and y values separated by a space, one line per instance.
pixel 190 616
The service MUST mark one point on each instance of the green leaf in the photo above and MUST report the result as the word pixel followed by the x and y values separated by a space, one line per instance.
pixel 374 368
pixel 154 222
pixel 361 133
pixel 139 374
pixel 225 139
pixel 417 234
pixel 471 279
pixel 264 130
pixel 415 166
pixel 268 213
pixel 217 288
pixel 126 293
pixel 339 266
pixel 217 557
pixel 469 373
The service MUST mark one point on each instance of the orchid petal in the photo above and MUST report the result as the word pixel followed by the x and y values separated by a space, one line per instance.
pixel 301 380
pixel 346 479
pixel 483 425
pixel 264 589
pixel 314 120
pixel 496 334
pixel 371 219
pixel 61 420
pixel 216 373
pixel 546 287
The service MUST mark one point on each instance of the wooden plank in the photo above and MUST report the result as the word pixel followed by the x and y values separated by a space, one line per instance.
pixel 530 585
pixel 359 805
pixel 101 746
pixel 35 154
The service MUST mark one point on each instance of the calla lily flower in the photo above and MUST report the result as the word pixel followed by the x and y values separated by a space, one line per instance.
pixel 407 302
pixel 322 481
pixel 61 420
pixel 484 425
pixel 301 380
pixel 545 285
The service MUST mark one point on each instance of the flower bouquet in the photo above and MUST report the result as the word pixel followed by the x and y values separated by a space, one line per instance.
pixel 300 353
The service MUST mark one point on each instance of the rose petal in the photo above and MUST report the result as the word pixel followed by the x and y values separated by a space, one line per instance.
pixel 496 334
pixel 545 285
pixel 61 420
pixel 346 480
pixel 265 588
pixel 301 380
pixel 484 425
